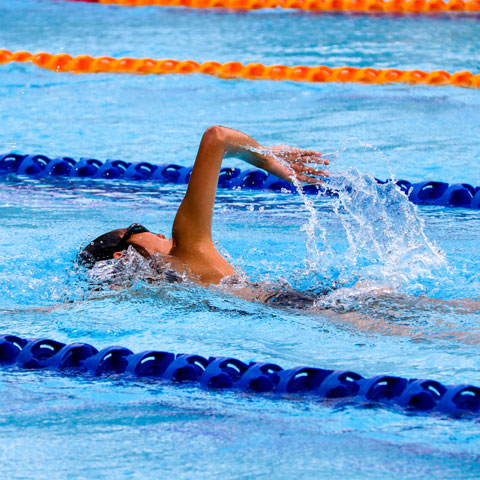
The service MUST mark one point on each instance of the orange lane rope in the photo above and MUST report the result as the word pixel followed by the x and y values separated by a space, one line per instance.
pixel 253 71
pixel 396 6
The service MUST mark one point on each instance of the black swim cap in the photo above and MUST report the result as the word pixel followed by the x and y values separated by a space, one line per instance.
pixel 103 247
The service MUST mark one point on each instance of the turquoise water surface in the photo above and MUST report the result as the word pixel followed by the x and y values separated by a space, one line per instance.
pixel 53 426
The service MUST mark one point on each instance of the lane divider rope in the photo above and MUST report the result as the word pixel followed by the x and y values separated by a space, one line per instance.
pixel 40 166
pixel 63 62
pixel 221 373
pixel 367 6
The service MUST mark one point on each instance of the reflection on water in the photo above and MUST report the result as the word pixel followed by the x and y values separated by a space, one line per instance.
pixel 60 424
pixel 44 295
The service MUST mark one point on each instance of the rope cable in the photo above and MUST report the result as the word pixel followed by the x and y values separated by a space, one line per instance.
pixel 366 6
pixel 461 195
pixel 225 373
pixel 63 62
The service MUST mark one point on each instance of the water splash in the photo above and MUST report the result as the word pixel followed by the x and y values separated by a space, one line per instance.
pixel 387 245
pixel 315 232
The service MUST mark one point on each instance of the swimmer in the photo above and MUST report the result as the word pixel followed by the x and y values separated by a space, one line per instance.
pixel 190 250
pixel 190 253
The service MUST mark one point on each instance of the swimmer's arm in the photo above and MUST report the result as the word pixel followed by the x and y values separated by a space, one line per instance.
pixel 378 325
pixel 193 221
pixel 67 305
pixel 285 162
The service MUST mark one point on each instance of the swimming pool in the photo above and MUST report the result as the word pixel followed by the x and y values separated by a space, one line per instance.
pixel 52 425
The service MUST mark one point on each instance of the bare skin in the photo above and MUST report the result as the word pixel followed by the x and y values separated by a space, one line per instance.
pixel 190 250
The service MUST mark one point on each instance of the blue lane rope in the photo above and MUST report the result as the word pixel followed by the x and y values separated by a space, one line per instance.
pixel 40 166
pixel 221 373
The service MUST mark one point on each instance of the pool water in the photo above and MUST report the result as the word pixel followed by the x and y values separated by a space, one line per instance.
pixel 53 426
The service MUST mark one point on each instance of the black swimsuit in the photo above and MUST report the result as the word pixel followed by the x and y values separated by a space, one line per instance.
pixel 291 299
pixel 296 299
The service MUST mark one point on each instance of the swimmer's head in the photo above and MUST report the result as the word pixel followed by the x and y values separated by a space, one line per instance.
pixel 112 244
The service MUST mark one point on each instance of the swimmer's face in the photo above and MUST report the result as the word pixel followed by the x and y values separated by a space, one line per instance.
pixel 150 243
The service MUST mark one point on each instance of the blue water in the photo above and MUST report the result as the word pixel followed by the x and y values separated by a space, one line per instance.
pixel 52 425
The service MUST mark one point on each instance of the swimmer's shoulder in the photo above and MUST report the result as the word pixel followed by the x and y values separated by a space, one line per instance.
pixel 192 268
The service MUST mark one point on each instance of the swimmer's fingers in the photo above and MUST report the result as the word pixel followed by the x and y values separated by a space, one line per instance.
pixel 304 170
pixel 311 156
pixel 312 160
pixel 311 180
pixel 316 172
pixel 303 161
pixel 298 155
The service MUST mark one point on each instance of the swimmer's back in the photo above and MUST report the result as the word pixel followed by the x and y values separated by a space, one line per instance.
pixel 279 295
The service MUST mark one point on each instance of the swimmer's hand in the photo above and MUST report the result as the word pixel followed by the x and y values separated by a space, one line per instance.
pixel 292 163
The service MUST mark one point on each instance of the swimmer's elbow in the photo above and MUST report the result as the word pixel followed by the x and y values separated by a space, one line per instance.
pixel 215 134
